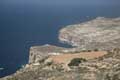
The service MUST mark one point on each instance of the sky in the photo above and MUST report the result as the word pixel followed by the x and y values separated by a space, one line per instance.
pixel 83 2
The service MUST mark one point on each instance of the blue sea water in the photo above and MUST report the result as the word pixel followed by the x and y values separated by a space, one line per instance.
pixel 24 23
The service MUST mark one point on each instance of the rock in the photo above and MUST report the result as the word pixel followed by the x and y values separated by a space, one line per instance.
pixel 38 53
pixel 101 33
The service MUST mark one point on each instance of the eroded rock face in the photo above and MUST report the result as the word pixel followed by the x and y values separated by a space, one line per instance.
pixel 107 68
pixel 38 53
pixel 101 33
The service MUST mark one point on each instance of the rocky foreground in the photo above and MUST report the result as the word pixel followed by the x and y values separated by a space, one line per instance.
pixel 98 35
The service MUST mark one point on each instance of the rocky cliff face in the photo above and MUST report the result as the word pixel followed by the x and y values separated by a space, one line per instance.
pixel 103 68
pixel 101 33
pixel 38 53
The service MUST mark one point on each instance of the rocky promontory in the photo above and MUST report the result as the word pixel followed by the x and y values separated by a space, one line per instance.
pixel 37 53
pixel 102 33
pixel 95 54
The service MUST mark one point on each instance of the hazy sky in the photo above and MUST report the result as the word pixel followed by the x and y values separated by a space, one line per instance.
pixel 61 1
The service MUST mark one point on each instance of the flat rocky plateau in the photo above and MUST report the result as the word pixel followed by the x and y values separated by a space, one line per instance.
pixel 94 36
pixel 101 33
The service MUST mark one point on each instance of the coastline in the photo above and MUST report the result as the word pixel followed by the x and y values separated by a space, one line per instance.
pixel 69 35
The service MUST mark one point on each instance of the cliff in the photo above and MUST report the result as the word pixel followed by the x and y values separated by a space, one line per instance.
pixel 49 62
pixel 38 53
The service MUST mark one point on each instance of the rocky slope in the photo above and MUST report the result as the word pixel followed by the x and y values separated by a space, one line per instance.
pixel 37 53
pixel 103 68
pixel 101 33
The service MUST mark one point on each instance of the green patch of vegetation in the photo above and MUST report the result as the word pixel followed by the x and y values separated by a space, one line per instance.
pixel 12 78
pixel 96 49
pixel 76 61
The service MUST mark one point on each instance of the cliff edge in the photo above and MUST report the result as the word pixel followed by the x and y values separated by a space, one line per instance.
pixel 98 37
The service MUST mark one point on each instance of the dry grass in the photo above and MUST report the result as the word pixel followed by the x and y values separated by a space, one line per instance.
pixel 65 58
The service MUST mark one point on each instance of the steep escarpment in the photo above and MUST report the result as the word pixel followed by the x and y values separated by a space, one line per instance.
pixel 37 53
pixel 101 33
pixel 102 68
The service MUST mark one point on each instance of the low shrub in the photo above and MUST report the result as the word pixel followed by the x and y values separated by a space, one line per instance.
pixel 76 61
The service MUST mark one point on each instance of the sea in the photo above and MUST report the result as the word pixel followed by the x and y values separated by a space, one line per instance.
pixel 26 23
